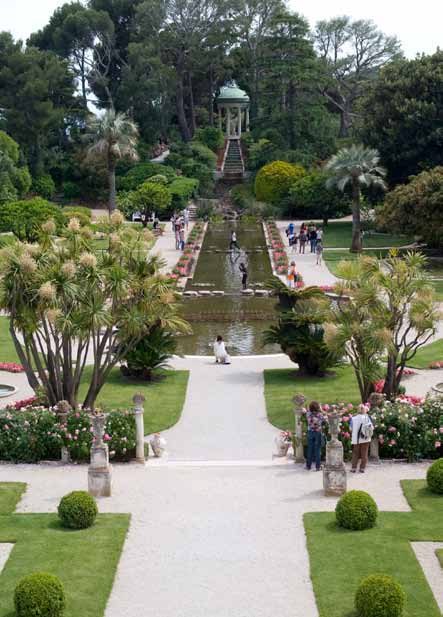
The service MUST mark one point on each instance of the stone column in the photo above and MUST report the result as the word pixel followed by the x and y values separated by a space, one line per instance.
pixel 228 122
pixel 247 118
pixel 138 411
pixel 334 473
pixel 299 402
pixel 220 118
pixel 239 121
pixel 100 471
pixel 63 408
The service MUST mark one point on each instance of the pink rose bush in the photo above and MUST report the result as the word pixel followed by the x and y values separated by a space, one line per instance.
pixel 409 428
pixel 437 364
pixel 11 367
pixel 35 433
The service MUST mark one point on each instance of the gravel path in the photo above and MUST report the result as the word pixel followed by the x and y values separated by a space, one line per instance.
pixel 218 542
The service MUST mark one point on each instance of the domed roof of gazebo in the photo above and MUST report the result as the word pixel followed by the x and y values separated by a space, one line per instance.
pixel 231 93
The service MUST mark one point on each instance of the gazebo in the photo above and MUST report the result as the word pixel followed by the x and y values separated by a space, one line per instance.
pixel 233 110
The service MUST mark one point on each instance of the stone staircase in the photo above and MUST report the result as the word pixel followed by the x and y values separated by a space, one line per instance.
pixel 233 168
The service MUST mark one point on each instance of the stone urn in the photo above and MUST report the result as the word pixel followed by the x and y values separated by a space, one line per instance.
pixel 282 443
pixel 158 445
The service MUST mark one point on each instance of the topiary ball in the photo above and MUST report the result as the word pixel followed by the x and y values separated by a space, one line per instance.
pixel 434 477
pixel 356 510
pixel 77 510
pixel 39 594
pixel 274 180
pixel 379 595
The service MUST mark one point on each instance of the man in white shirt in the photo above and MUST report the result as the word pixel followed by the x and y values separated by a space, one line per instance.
pixel 362 430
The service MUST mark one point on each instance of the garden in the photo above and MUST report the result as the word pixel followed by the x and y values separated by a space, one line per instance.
pixel 78 565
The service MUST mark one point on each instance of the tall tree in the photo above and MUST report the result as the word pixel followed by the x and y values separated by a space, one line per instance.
pixel 84 37
pixel 353 52
pixel 402 115
pixel 356 167
pixel 36 97
pixel 112 136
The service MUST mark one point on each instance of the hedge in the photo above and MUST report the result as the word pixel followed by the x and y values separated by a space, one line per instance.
pixel 25 217
pixel 182 189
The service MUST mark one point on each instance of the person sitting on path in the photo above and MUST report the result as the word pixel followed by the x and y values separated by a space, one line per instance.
pixel 233 242
pixel 244 271
pixel 292 275
pixel 220 353
pixel 315 421
pixel 362 430
pixel 319 252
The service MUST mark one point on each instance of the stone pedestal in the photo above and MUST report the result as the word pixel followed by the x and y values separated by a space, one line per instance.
pixel 99 471
pixel 138 411
pixel 334 473
pixel 376 401
pixel 299 402
pixel 374 455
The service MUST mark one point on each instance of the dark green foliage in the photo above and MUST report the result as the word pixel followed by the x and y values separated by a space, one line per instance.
pixel 77 510
pixel 309 198
pixel 434 477
pixel 356 510
pixel 379 595
pixel 71 190
pixel 24 218
pixel 402 116
pixel 142 172
pixel 242 196
pixel 299 331
pixel 40 595
pixel 151 353
pixel 415 208
pixel 15 180
pixel 43 186
pixel 194 160
pixel 211 137
pixel 182 189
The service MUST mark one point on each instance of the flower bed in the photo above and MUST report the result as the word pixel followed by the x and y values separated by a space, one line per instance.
pixel 11 367
pixel 279 256
pixel 410 428
pixel 186 262
pixel 34 433
pixel 437 364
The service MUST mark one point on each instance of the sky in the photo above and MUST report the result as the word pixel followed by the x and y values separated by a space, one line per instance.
pixel 418 25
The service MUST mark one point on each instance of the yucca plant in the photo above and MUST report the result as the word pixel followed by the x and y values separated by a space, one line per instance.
pixel 151 353
pixel 358 167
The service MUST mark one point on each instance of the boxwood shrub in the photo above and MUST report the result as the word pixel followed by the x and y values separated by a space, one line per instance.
pixel 356 510
pixel 434 477
pixel 39 595
pixel 274 180
pixel 379 595
pixel 77 510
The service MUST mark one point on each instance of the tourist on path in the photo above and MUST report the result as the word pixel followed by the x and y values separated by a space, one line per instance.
pixel 302 239
pixel 319 252
pixel 292 275
pixel 186 217
pixel 315 420
pixel 362 430
pixel 233 242
pixel 313 238
pixel 220 353
pixel 244 271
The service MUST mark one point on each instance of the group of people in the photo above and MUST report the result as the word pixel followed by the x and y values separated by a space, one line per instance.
pixel 362 429
pixel 307 234
pixel 180 223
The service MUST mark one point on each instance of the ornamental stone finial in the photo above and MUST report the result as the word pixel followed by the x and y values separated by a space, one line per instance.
pixel 138 399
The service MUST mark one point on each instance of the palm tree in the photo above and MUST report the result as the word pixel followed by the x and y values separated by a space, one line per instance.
pixel 357 166
pixel 112 136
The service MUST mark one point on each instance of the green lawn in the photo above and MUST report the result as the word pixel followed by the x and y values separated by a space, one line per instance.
pixel 85 560
pixel 427 354
pixel 339 558
pixel 339 235
pixel 438 286
pixel 333 258
pixel 7 349
pixel 282 384
pixel 439 553
pixel 164 398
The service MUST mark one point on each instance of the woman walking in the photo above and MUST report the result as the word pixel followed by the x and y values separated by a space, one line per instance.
pixel 292 275
pixel 319 252
pixel 315 420
pixel 302 239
